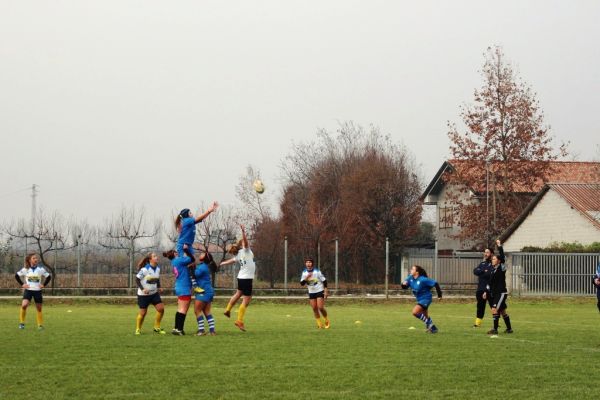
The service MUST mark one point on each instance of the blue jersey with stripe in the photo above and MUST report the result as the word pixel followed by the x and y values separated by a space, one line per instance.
pixel 188 232
pixel 203 280
pixel 183 284
pixel 421 287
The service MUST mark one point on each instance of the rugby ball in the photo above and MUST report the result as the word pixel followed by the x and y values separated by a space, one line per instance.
pixel 259 187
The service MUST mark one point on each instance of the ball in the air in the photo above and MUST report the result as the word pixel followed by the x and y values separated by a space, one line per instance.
pixel 259 187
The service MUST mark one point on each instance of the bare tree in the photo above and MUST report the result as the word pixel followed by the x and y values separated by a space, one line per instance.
pixel 48 234
pixel 129 231
pixel 254 205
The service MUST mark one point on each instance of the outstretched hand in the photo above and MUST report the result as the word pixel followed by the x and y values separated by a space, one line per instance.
pixel 213 206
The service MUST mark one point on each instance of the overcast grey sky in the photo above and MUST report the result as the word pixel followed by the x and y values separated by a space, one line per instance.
pixel 163 104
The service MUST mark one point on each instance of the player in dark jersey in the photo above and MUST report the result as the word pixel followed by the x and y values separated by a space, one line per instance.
pixel 498 291
pixel 483 272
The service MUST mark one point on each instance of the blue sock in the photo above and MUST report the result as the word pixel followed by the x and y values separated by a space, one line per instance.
pixel 201 323
pixel 427 320
pixel 211 322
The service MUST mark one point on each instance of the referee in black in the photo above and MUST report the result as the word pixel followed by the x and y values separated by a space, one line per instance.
pixel 483 272
pixel 498 291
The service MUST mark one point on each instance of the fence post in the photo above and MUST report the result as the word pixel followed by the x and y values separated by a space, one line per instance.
pixel 285 264
pixel 79 261
pixel 336 266
pixel 387 267
pixel 435 260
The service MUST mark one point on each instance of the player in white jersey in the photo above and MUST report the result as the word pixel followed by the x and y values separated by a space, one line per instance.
pixel 30 278
pixel 245 260
pixel 316 282
pixel 148 283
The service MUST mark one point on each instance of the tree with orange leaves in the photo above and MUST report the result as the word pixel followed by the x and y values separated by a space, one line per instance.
pixel 503 151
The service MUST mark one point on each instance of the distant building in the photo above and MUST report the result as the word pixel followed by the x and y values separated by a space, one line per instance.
pixel 563 212
pixel 438 189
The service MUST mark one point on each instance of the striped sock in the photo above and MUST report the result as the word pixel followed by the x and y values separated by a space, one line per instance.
pixel 211 322
pixel 201 323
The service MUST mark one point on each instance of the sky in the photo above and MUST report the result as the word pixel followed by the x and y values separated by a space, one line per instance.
pixel 162 105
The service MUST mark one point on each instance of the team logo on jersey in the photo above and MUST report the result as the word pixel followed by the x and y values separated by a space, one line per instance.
pixel 33 278
pixel 152 280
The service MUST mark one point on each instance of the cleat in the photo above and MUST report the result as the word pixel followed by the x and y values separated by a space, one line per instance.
pixel 213 333
pixel 492 332
pixel 40 328
pixel 433 329
pixel 160 331
pixel 327 324
pixel 138 332
pixel 200 333
pixel 240 325
pixel 508 331
pixel 476 326
pixel 177 332
pixel 227 314
pixel 21 326
pixel 198 289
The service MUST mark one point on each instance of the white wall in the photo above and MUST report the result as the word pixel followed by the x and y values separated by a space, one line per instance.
pixel 552 220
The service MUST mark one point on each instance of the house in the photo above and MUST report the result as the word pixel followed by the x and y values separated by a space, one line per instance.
pixel 445 196
pixel 560 212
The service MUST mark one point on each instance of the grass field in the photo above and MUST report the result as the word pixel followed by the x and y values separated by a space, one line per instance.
pixel 91 353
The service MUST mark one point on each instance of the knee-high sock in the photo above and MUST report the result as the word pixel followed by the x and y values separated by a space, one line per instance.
pixel 211 322
pixel 39 318
pixel 507 321
pixel 496 319
pixel 158 320
pixel 428 322
pixel 241 312
pixel 179 321
pixel 200 320
pixel 229 306
pixel 22 314
pixel 139 320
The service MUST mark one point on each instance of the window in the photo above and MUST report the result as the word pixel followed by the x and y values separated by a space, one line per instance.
pixel 446 218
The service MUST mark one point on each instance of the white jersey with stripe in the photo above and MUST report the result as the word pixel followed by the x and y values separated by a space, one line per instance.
pixel 33 276
pixel 314 280
pixel 245 260
pixel 149 277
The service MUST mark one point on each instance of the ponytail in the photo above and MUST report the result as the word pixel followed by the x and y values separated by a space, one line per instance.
pixel 421 271
pixel 170 254
pixel 142 263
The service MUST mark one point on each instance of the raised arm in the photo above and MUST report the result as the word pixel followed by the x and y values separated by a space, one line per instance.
pixel 244 237
pixel 500 251
pixel 212 208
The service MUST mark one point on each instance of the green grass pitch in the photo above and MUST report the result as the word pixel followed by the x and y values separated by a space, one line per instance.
pixel 92 353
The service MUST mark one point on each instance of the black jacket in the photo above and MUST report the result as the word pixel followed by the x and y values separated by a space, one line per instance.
pixel 498 277
pixel 484 273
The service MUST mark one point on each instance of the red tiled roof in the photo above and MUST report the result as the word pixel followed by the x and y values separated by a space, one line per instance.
pixel 585 198
pixel 558 172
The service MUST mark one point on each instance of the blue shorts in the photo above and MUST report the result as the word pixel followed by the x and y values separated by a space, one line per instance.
pixel 424 302
pixel 206 297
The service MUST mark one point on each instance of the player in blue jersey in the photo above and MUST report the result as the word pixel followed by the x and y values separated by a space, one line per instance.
pixel 183 288
pixel 185 223
pixel 421 287
pixel 203 304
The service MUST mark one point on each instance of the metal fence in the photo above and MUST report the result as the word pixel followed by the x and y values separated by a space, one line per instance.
pixel 536 274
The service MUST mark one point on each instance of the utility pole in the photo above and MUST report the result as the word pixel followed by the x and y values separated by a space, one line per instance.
pixel 33 206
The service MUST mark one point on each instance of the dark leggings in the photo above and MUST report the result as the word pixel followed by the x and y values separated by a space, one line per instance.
pixel 481 302
pixel 598 296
